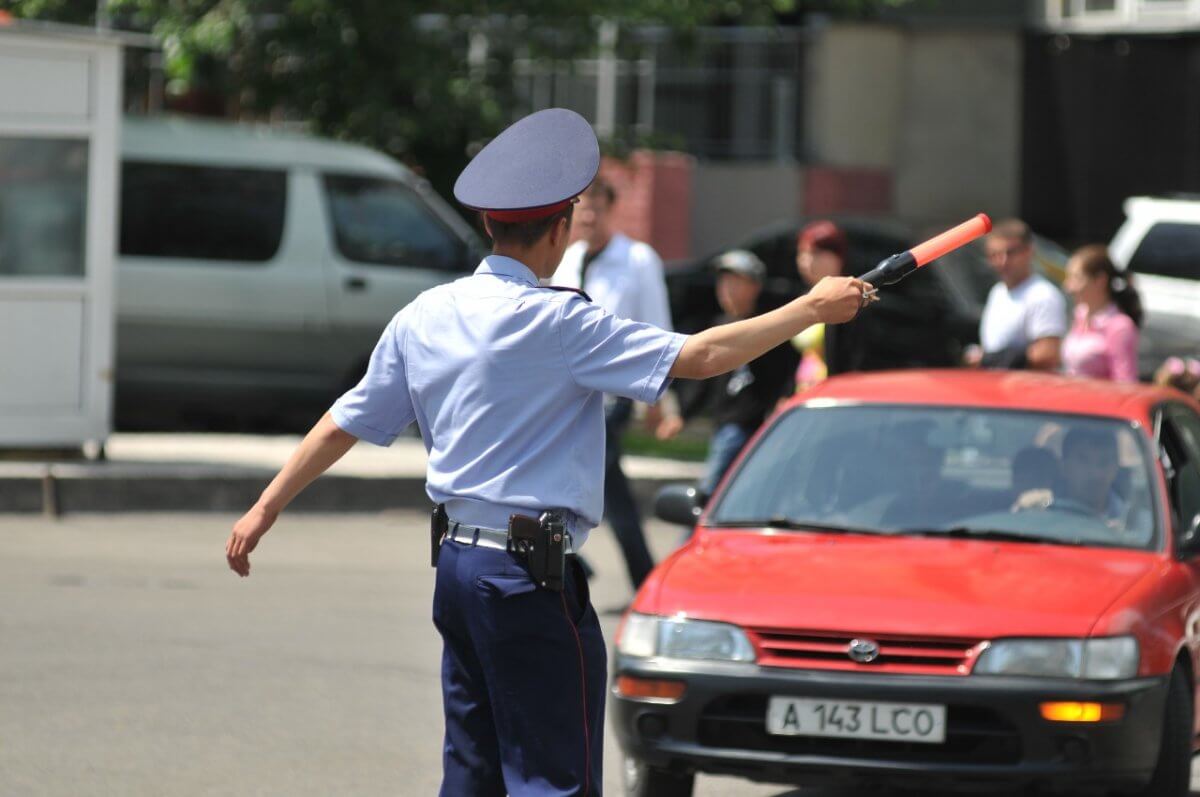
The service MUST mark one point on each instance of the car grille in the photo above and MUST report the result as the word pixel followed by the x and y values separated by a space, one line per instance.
pixel 907 655
pixel 973 734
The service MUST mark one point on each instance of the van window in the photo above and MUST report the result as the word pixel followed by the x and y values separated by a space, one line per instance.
pixel 384 222
pixel 201 212
pixel 1170 249
pixel 43 207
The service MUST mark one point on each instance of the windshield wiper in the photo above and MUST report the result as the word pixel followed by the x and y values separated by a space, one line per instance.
pixel 992 535
pixel 780 522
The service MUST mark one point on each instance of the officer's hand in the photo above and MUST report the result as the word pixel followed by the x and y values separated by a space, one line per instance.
pixel 244 538
pixel 669 427
pixel 837 299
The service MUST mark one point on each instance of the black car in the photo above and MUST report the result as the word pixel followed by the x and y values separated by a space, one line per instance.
pixel 924 321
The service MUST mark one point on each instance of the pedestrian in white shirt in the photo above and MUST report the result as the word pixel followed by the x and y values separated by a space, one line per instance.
pixel 1025 317
pixel 625 277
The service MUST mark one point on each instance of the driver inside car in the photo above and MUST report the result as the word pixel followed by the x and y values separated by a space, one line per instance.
pixel 1090 466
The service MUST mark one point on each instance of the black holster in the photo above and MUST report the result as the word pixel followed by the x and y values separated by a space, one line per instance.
pixel 543 543
pixel 439 524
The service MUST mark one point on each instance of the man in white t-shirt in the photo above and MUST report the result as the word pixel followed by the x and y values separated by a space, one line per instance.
pixel 1025 317
pixel 625 277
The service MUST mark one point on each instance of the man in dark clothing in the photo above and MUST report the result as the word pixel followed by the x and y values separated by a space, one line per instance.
pixel 745 396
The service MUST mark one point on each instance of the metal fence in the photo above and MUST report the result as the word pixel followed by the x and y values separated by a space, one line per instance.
pixel 721 93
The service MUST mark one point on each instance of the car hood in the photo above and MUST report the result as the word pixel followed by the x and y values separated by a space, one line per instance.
pixel 893 585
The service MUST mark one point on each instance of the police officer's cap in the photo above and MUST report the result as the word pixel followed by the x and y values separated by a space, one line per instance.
pixel 533 169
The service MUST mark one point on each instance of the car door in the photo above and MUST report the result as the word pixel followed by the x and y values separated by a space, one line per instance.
pixel 388 244
pixel 1167 267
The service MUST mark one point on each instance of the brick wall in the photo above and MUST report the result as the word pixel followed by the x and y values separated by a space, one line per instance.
pixel 653 199
pixel 842 189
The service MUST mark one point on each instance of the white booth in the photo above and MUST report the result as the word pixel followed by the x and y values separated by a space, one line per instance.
pixel 60 104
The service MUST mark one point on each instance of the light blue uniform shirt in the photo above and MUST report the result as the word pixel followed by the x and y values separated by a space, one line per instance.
pixel 506 381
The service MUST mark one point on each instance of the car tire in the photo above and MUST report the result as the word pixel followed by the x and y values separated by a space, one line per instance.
pixel 1173 771
pixel 642 780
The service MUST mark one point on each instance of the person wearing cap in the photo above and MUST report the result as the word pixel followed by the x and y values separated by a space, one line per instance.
pixel 505 380
pixel 625 277
pixel 746 395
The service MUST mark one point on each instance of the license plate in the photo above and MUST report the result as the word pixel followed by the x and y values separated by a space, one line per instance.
pixel 894 722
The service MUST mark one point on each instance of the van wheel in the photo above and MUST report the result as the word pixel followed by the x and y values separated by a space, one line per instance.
pixel 1173 772
pixel 643 780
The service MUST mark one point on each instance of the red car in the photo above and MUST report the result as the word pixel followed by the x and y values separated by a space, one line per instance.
pixel 936 580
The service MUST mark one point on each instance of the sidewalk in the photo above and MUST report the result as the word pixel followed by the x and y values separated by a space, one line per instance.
pixel 226 473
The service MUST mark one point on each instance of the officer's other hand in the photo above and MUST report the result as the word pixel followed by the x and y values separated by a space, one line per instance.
pixel 668 427
pixel 837 299
pixel 244 538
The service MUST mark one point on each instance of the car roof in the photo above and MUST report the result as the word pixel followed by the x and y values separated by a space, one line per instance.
pixel 1018 390
pixel 1168 208
pixel 177 139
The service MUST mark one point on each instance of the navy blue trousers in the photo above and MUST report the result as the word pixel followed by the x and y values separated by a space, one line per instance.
pixel 523 679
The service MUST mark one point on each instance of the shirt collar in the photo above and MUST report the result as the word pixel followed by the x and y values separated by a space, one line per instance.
pixel 507 267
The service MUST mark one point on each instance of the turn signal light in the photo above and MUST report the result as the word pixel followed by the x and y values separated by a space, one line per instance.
pixel 1082 712
pixel 649 689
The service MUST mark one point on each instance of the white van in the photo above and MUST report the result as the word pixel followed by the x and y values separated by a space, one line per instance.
pixel 257 269
pixel 1160 243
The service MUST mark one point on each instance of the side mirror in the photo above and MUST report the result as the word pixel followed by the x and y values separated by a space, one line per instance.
pixel 679 503
pixel 1189 541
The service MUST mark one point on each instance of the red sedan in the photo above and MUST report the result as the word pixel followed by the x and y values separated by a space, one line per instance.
pixel 931 579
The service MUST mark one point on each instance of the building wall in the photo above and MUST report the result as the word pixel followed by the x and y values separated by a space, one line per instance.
pixel 959 133
pixel 730 200
pixel 855 94
pixel 917 121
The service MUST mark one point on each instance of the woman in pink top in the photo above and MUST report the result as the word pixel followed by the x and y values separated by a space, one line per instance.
pixel 1103 339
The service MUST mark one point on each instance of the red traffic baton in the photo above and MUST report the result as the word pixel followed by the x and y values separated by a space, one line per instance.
pixel 897 267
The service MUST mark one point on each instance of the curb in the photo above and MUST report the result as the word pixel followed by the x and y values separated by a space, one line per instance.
pixel 62 489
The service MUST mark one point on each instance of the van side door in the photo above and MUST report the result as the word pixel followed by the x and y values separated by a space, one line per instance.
pixel 388 244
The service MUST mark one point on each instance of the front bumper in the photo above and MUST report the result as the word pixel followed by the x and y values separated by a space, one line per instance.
pixel 995 735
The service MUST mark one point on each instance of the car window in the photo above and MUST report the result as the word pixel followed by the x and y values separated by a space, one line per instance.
pixel 1181 444
pixel 384 222
pixel 201 212
pixel 43 207
pixel 1170 249
pixel 901 469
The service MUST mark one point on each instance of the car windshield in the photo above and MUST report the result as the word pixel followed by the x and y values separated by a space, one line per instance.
pixel 992 474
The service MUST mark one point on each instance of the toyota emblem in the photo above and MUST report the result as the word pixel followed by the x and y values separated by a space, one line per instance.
pixel 863 651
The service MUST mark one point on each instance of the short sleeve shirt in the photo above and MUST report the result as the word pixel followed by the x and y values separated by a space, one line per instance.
pixel 505 379
pixel 1015 318
pixel 1103 345
pixel 626 279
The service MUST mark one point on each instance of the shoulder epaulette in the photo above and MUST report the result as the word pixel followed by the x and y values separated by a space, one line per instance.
pixel 580 291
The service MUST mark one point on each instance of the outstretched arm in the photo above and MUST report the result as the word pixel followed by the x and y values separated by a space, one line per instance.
pixel 722 348
pixel 324 445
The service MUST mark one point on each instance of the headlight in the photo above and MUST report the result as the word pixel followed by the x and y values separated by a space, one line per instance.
pixel 644 636
pixel 1100 659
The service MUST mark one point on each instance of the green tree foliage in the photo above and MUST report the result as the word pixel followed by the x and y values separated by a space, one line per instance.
pixel 387 73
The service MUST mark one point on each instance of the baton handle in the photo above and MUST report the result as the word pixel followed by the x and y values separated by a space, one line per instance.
pixel 897 267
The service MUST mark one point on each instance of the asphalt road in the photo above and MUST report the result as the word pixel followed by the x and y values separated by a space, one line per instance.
pixel 132 662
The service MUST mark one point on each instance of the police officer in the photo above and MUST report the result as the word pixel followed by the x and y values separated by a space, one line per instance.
pixel 505 380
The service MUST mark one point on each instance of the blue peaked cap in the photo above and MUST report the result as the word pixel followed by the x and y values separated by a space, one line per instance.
pixel 539 162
